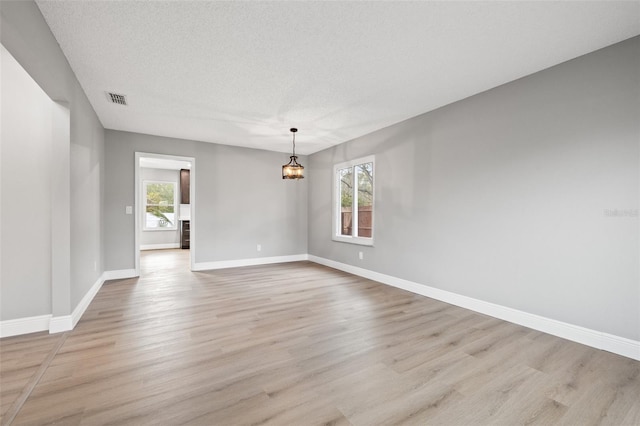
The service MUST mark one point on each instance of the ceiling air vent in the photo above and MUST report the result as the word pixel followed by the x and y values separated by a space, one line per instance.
pixel 117 99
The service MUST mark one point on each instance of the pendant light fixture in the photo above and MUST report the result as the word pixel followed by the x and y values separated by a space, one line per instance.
pixel 293 170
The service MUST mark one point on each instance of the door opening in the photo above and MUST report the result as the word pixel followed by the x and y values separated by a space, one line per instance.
pixel 165 205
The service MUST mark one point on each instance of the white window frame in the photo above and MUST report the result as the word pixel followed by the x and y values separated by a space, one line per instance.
pixel 336 231
pixel 173 227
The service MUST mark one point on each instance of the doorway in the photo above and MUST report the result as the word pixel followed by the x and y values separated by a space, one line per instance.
pixel 165 205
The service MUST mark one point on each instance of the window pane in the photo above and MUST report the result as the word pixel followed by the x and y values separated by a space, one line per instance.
pixel 159 209
pixel 346 200
pixel 364 177
pixel 352 220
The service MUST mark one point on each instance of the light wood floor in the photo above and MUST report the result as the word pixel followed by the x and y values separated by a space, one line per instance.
pixel 301 344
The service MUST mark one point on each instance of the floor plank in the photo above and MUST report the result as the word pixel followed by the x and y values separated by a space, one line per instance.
pixel 299 343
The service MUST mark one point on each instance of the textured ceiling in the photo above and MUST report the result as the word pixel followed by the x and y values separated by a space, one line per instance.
pixel 243 73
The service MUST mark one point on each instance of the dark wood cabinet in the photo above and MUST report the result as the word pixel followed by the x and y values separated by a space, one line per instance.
pixel 185 177
pixel 185 234
pixel 185 184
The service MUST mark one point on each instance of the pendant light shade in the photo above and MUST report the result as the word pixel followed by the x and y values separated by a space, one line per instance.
pixel 293 170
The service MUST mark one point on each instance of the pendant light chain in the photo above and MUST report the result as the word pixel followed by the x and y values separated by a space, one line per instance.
pixel 294 144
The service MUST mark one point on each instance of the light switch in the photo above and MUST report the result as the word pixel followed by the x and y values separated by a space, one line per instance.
pixel 128 210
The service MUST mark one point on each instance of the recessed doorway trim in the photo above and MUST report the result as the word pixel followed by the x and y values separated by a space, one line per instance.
pixel 138 203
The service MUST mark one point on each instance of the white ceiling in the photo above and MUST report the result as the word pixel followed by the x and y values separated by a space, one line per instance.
pixel 243 73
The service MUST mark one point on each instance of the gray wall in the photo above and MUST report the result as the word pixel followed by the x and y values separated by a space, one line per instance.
pixel 507 196
pixel 25 188
pixel 25 34
pixel 504 196
pixel 240 200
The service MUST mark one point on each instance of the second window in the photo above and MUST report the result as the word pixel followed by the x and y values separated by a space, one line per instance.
pixel 353 214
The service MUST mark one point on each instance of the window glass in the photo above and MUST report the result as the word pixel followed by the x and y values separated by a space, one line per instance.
pixel 353 213
pixel 364 177
pixel 159 205
pixel 346 200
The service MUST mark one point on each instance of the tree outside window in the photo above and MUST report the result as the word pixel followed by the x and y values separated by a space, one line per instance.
pixel 160 200
pixel 354 219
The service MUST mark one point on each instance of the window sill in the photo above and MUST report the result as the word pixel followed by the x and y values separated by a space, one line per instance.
pixel 160 229
pixel 353 240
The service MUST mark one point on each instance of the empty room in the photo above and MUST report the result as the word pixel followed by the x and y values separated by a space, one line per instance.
pixel 319 212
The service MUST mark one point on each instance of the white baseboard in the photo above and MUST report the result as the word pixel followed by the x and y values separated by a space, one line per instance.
pixel 68 322
pixel 27 325
pixel 597 339
pixel 54 324
pixel 204 266
pixel 86 300
pixel 160 246
pixel 60 323
pixel 119 274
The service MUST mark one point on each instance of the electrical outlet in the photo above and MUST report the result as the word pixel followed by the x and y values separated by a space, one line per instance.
pixel 95 265
pixel 360 255
pixel 128 210
pixel 259 247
